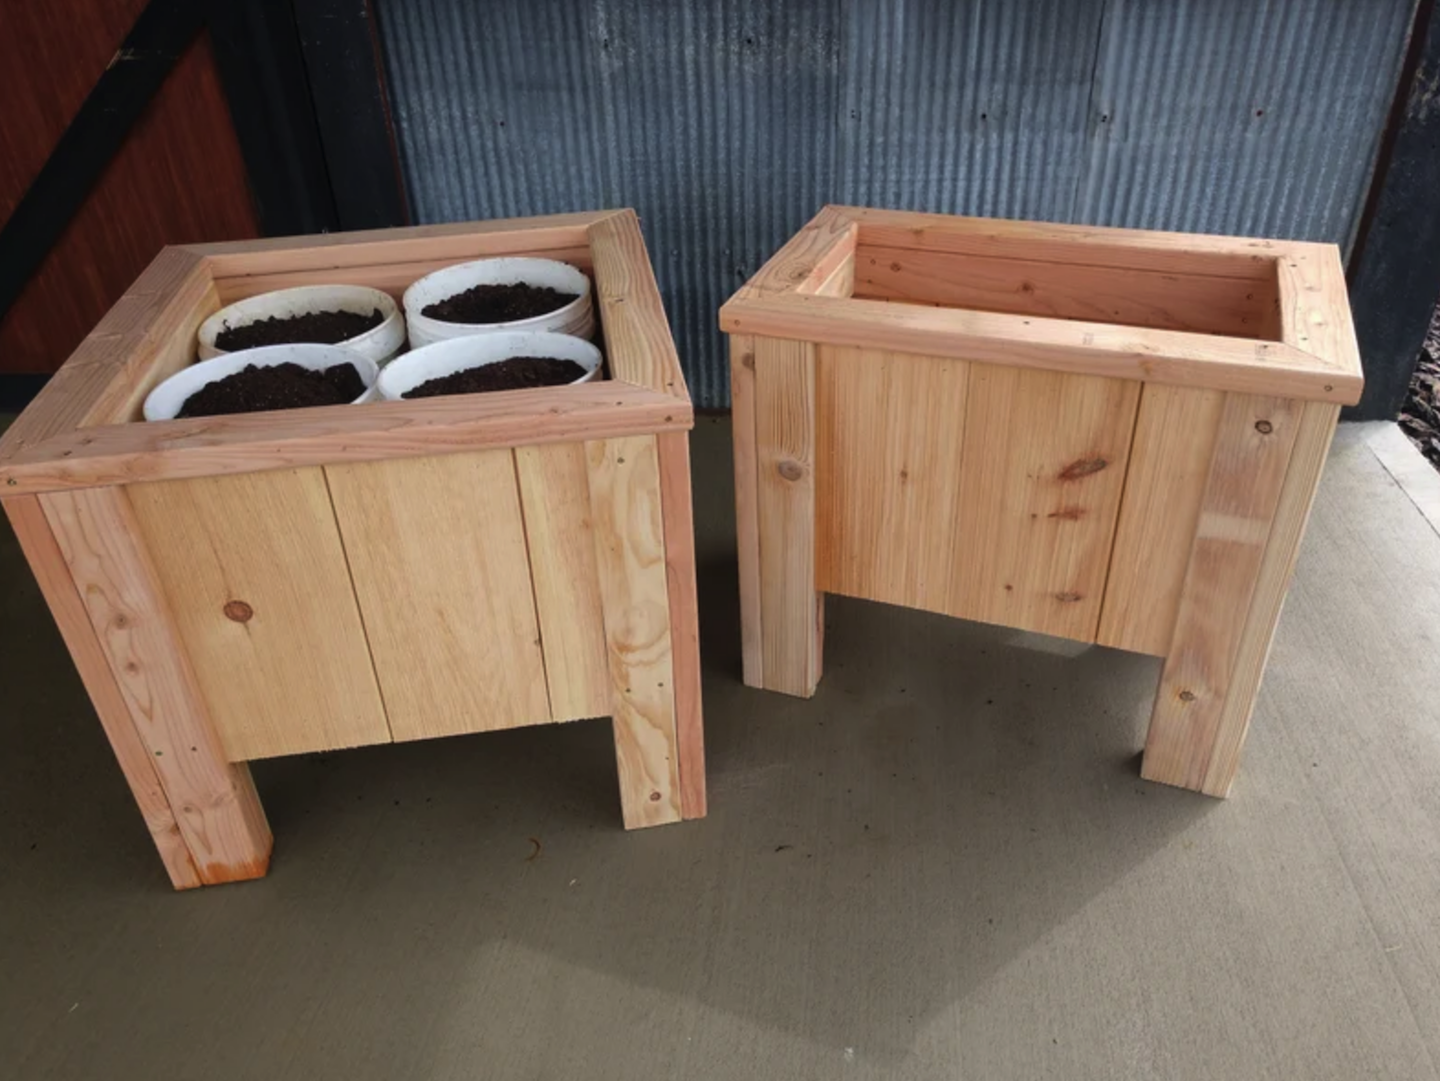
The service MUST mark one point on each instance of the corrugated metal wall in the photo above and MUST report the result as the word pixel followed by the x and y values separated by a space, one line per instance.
pixel 727 124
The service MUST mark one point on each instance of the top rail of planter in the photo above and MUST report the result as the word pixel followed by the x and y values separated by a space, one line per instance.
pixel 81 430
pixel 1231 313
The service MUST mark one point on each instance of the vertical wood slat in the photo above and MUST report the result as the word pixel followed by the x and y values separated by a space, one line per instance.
pixel 555 495
pixel 136 761
pixel 891 430
pixel 257 581
pixel 625 501
pixel 1164 486
pixel 441 572
pixel 1197 707
pixel 673 451
pixel 791 607
pixel 1043 467
pixel 214 802
pixel 747 510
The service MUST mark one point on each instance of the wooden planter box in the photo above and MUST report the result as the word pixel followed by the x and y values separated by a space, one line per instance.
pixel 1107 435
pixel 239 587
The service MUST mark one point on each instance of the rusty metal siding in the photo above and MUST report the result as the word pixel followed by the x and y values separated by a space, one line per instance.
pixel 726 125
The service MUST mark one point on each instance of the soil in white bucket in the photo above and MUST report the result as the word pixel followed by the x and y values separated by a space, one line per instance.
pixel 490 362
pixel 499 295
pixel 355 316
pixel 263 380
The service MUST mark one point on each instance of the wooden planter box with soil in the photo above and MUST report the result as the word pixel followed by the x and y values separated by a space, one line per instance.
pixel 238 587
pixel 1106 435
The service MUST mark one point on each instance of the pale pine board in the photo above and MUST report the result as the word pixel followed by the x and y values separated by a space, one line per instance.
pixel 555 495
pixel 889 454
pixel 1247 474
pixel 1169 465
pixel 135 759
pixel 747 510
pixel 785 478
pixel 1194 302
pixel 437 553
pixel 296 676
pixel 1043 466
pixel 630 552
pixel 214 802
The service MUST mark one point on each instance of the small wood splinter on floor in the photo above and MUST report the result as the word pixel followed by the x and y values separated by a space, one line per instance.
pixel 535 853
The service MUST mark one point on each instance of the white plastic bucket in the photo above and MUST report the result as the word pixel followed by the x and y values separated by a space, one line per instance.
pixel 576 318
pixel 379 343
pixel 166 400
pixel 457 354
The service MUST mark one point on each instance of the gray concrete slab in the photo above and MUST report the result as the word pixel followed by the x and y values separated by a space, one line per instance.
pixel 943 866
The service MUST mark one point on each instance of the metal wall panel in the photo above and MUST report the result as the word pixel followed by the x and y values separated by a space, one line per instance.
pixel 727 124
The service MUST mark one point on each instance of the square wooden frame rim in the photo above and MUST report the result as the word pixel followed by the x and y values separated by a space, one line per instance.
pixel 68 439
pixel 1316 359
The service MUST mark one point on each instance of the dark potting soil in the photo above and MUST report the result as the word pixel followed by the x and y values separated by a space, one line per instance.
pixel 517 373
pixel 281 386
pixel 327 328
pixel 498 303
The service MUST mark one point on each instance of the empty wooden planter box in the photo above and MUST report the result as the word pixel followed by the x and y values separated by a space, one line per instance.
pixel 1106 435
pixel 233 588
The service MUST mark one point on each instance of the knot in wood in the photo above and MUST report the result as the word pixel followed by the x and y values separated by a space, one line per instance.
pixel 1264 427
pixel 1083 467
pixel 791 469
pixel 1187 696
pixel 239 611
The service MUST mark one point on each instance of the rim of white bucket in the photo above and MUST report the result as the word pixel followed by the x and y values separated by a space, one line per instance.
pixel 572 318
pixel 166 400
pixel 477 350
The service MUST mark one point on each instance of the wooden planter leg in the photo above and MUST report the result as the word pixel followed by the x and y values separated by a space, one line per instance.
pixel 626 512
pixel 1268 456
pixel 211 802
pixel 791 611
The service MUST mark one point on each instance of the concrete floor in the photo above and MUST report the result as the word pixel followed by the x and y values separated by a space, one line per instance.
pixel 944 866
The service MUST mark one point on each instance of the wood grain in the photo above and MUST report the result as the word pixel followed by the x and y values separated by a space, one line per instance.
pixel 1169 466
pixel 673 453
pixel 625 501
pixel 637 334
pixel 247 443
pixel 135 759
pixel 260 592
pixel 791 607
pixel 1247 474
pixel 437 552
pixel 747 508
pixel 1315 307
pixel 1042 469
pixel 1137 353
pixel 889 453
pixel 214 802
pixel 555 496
pixel 1204 304
pixel 807 258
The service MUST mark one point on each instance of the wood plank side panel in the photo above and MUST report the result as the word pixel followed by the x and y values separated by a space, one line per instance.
pixel 889 438
pixel 625 500
pixel 260 591
pixel 437 551
pixel 1144 298
pixel 1042 471
pixel 673 449
pixel 555 496
pixel 214 801
pixel 747 509
pixel 785 427
pixel 1164 486
pixel 1247 475
pixel 135 759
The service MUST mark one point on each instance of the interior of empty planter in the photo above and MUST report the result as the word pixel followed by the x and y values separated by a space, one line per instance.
pixel 1206 292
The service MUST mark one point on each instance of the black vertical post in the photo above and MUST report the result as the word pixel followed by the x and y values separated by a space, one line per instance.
pixel 1395 269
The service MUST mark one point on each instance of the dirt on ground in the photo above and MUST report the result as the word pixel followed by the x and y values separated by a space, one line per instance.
pixel 1420 415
